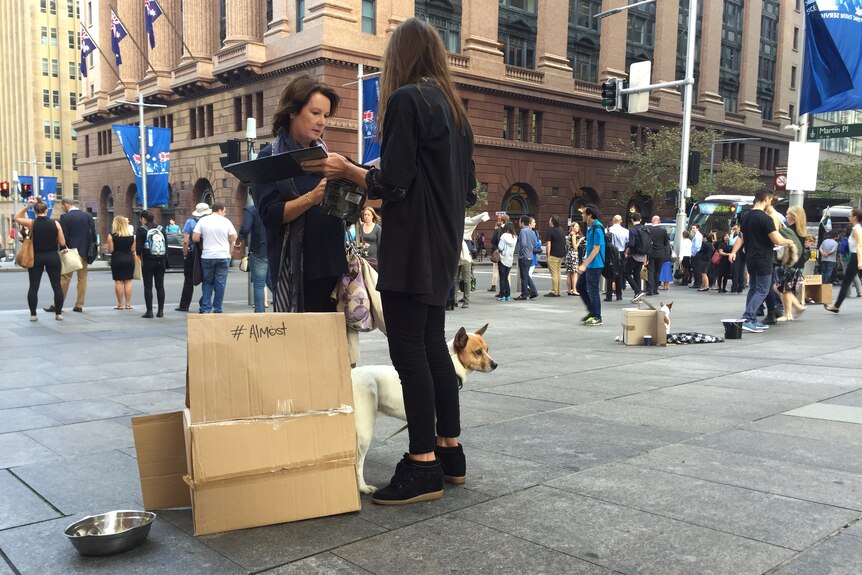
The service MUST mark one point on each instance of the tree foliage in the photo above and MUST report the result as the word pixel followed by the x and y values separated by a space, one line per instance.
pixel 834 176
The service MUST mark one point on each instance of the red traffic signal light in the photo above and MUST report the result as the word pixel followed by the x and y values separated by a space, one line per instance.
pixel 26 190
pixel 4 189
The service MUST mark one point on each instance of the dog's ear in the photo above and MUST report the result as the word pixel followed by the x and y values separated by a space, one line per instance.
pixel 460 341
pixel 481 330
pixel 670 305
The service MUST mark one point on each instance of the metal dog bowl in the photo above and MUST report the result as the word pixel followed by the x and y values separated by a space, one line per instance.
pixel 110 533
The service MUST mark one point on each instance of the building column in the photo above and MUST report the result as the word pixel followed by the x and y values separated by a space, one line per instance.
pixel 665 50
pixel 612 54
pixel 279 26
pixel 749 65
pixel 134 68
pixel 710 58
pixel 244 22
pixel 199 30
pixel 479 34
pixel 165 56
pixel 552 47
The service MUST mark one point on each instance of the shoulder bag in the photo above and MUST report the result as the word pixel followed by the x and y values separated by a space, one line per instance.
pixel 24 257
pixel 70 261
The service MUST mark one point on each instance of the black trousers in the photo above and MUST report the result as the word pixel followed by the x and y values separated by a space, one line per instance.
pixel 49 262
pixel 316 294
pixel 153 271
pixel 619 280
pixel 850 271
pixel 633 274
pixel 654 271
pixel 417 347
pixel 188 281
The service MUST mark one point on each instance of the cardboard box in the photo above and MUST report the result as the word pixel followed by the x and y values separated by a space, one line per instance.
pixel 820 293
pixel 640 322
pixel 283 447
pixel 812 280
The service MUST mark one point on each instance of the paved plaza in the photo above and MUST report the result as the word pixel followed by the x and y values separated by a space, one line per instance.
pixel 584 456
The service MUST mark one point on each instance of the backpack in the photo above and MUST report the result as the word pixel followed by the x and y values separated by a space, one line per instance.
pixel 156 242
pixel 612 258
pixel 640 240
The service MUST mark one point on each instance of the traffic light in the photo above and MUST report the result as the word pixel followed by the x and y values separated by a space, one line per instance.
pixel 612 98
pixel 232 150
pixel 26 190
pixel 693 168
pixel 4 189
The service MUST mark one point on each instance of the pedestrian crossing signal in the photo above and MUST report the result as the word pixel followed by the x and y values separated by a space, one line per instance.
pixel 26 190
pixel 4 189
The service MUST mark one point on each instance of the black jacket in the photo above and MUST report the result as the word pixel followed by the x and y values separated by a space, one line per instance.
pixel 79 228
pixel 660 246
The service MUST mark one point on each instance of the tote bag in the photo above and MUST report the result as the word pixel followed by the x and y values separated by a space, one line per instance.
pixel 70 261
pixel 24 257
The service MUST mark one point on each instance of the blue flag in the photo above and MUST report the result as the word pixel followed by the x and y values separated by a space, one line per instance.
pixel 370 99
pixel 47 190
pixel 832 68
pixel 118 32
pixel 87 47
pixel 152 10
pixel 158 160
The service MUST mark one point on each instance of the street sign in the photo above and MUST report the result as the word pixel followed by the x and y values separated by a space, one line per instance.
pixel 781 182
pixel 836 131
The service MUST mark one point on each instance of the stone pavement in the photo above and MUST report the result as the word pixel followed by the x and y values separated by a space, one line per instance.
pixel 584 456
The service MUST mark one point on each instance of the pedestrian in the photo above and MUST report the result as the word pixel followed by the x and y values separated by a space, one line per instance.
pixel 591 267
pixel 537 247
pixel 737 267
pixel 121 246
pixel 637 250
pixel 502 219
pixel 464 274
pixel 506 246
pixel 79 229
pixel 254 235
pixel 480 247
pixel 702 261
pixel 305 246
pixel 758 236
pixel 788 278
pixel 201 210
pixel 854 265
pixel 47 237
pixel 216 234
pixel 722 268
pixel 151 243
pixel 658 254
pixel 685 258
pixel 556 251
pixel 828 258
pixel 526 246
pixel 424 179
pixel 573 243
pixel 172 227
pixel 696 243
pixel 620 238
pixel 369 233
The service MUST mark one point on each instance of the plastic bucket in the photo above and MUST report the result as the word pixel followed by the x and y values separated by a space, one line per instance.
pixel 732 328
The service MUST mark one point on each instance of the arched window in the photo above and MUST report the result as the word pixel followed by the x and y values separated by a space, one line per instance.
pixel 516 202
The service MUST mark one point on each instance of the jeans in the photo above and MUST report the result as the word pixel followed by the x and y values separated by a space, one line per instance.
pixel 757 291
pixel 259 269
pixel 429 385
pixel 588 287
pixel 505 290
pixel 827 271
pixel 214 283
pixel 528 288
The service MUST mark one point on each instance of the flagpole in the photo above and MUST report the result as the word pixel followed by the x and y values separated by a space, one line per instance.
pixel 360 141
pixel 174 28
pixel 111 65
pixel 129 34
pixel 797 197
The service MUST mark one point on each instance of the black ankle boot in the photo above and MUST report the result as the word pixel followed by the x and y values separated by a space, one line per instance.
pixel 414 481
pixel 453 462
pixel 148 315
pixel 161 312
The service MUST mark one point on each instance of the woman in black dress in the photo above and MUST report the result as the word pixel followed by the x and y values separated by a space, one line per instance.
pixel 47 239
pixel 121 246
pixel 425 179
pixel 152 264
pixel 722 270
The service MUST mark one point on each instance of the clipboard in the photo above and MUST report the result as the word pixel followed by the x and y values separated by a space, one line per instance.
pixel 274 168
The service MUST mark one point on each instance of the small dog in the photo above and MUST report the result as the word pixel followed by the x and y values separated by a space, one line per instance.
pixel 377 388
pixel 665 308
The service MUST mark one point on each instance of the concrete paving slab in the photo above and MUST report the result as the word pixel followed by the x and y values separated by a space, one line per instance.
pixel 5 569
pixel 88 483
pixel 807 483
pixel 810 452
pixel 839 555
pixel 853 398
pixel 855 529
pixel 705 363
pixel 22 418
pixel 117 369
pixel 26 378
pixel 324 563
pixel 478 408
pixel 24 397
pixel 829 412
pixel 833 431
pixel 634 414
pixel 19 505
pixel 621 538
pixel 85 410
pixel 153 401
pixel 813 391
pixel 18 449
pixel 83 438
pixel 847 358
pixel 267 547
pixel 42 549
pixel 449 545
pixel 116 386
pixel 560 389
pixel 759 516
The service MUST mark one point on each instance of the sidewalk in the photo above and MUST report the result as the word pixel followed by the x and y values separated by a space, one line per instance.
pixel 584 456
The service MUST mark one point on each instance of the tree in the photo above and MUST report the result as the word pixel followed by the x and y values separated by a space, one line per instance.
pixel 737 178
pixel 832 175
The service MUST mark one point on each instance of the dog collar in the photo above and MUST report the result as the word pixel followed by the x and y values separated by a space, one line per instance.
pixel 460 382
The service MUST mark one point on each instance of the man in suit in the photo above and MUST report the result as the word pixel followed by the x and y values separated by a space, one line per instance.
pixel 659 254
pixel 79 228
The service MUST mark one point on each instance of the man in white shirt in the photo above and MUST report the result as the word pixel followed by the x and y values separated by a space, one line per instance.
pixel 217 235
pixel 621 238
pixel 696 243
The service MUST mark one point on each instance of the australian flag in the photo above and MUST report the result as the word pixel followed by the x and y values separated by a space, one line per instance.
pixel 87 47
pixel 152 10
pixel 118 32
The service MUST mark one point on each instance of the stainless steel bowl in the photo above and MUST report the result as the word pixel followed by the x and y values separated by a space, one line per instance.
pixel 110 533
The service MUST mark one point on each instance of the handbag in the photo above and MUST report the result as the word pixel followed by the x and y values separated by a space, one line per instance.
pixel 495 256
pixel 24 257
pixel 716 258
pixel 197 268
pixel 92 252
pixel 70 261
pixel 352 297
pixel 243 264
pixel 138 273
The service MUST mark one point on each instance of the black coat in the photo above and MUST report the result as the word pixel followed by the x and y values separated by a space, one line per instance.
pixel 660 245
pixel 79 229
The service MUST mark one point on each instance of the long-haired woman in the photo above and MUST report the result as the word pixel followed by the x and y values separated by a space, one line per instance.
pixel 573 242
pixel 121 246
pixel 424 178
pixel 789 278
pixel 369 232
pixel 47 237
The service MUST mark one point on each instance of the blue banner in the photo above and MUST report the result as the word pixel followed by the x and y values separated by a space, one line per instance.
pixel 158 160
pixel 832 65
pixel 47 190
pixel 370 99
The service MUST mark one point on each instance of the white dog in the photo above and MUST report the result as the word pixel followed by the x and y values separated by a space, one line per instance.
pixel 377 388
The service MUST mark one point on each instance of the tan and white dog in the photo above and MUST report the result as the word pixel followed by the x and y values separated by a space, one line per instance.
pixel 377 389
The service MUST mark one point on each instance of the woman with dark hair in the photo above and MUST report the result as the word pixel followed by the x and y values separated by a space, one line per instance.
pixel 854 266
pixel 507 257
pixel 47 237
pixel 151 244
pixel 722 269
pixel 305 248
pixel 424 179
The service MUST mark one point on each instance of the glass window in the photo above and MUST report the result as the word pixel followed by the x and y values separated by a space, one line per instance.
pixel 57 130
pixel 46 98
pixel 55 97
pixel 793 77
pixel 74 162
pixel 52 5
pixel 369 18
pixel 300 14
pixel 582 13
pixel 73 101
pixel 44 66
pixel 55 68
pixel 46 126
pixel 53 36
pixel 222 21
pixel 519 51
pixel 49 161
pixel 73 70
pixel 70 38
pixel 44 3
pixel 70 8
pixel 525 5
pixel 44 35
pixel 57 161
